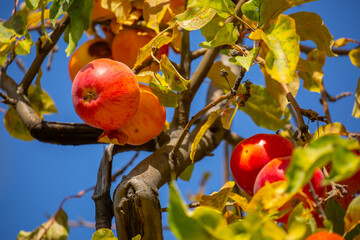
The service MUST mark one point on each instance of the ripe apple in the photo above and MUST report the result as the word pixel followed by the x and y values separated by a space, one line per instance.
pixel 251 154
pixel 105 94
pixel 274 171
pixel 99 13
pixel 148 121
pixel 325 236
pixel 90 50
pixel 126 45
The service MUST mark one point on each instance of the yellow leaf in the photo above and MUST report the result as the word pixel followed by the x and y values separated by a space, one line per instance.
pixel 270 198
pixel 257 34
pixel 284 51
pixel 355 57
pixel 356 108
pixel 154 11
pixel 227 116
pixel 310 26
pixel 202 131
pixel 121 9
pixel 15 126
pixel 332 128
pixel 341 42
pixel 310 70
pixel 242 202
pixel 218 200
pixel 352 216
pixel 113 136
pixel 35 18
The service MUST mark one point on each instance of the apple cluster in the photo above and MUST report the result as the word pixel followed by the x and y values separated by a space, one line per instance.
pixel 105 91
pixel 264 158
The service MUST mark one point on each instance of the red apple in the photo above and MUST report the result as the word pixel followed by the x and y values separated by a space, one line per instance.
pixel 105 94
pixel 251 154
pixel 274 171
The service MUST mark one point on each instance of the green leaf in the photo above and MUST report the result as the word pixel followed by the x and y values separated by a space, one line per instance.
pixel 310 70
pixel 355 57
pixel 335 213
pixel 263 109
pixel 167 98
pixel 247 61
pixel 202 131
pixel 332 128
pixel 251 9
pixel 356 108
pixel 255 226
pixel 284 50
pixel 217 79
pixel 57 8
pixel 318 153
pixel 186 174
pixel 310 26
pixel 227 35
pixel 195 18
pixel 217 200
pixel 352 216
pixel 264 11
pixel 41 101
pixel 172 77
pixel 80 13
pixel 59 229
pixel 103 234
pixel 180 223
pixel 32 4
pixel 210 30
pixel 301 223
pixel 15 126
pixel 13 35
pixel 221 6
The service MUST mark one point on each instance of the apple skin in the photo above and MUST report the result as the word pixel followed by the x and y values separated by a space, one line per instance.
pixel 148 121
pixel 274 171
pixel 325 236
pixel 87 52
pixel 127 43
pixel 251 154
pixel 105 94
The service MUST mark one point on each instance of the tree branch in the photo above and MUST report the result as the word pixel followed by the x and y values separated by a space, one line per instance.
pixel 136 205
pixel 103 204
pixel 340 52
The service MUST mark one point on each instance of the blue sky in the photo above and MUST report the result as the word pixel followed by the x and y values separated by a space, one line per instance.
pixel 35 176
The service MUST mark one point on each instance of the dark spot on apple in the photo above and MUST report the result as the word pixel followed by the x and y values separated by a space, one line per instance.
pixel 136 130
pixel 100 49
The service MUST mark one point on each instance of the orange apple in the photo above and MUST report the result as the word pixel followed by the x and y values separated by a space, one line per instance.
pixel 105 94
pixel 148 121
pixel 90 50
pixel 325 236
pixel 126 45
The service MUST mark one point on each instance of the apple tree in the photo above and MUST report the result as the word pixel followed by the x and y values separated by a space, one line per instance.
pixel 315 181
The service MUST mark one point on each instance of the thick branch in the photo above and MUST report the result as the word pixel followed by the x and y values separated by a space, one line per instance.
pixel 103 204
pixel 136 206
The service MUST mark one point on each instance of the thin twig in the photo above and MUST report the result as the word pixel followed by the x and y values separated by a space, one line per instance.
pixel 337 97
pixel 339 52
pixel 51 56
pixel 325 103
pixel 21 65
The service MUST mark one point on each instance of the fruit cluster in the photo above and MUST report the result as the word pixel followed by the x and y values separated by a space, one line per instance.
pixel 264 158
pixel 105 91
